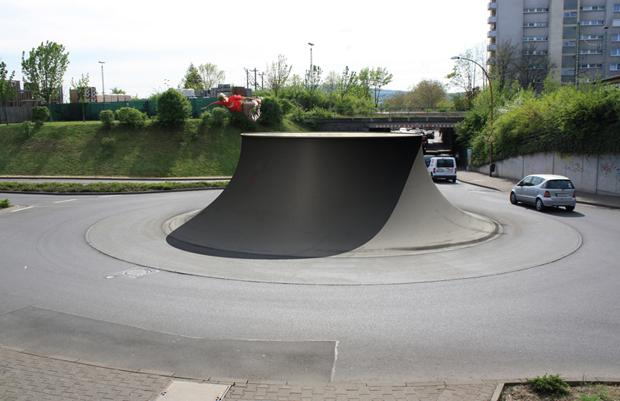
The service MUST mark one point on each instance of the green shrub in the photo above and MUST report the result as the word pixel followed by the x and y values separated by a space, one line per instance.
pixel 287 106
pixel 549 385
pixel 107 118
pixel 205 119
pixel 130 117
pixel 173 108
pixel 220 117
pixel 40 114
pixel 271 112
pixel 240 120
pixel 4 203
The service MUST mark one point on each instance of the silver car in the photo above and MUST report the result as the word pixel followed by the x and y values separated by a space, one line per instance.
pixel 545 190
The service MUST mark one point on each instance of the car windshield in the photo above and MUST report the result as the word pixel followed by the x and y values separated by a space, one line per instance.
pixel 427 160
pixel 445 163
pixel 559 184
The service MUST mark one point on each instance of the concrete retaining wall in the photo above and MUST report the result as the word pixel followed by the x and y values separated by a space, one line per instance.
pixel 593 174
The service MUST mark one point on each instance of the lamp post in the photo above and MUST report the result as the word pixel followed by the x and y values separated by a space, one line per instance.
pixel 102 82
pixel 310 72
pixel 491 114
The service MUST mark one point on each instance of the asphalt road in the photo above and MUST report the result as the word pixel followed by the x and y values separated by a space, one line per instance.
pixel 60 296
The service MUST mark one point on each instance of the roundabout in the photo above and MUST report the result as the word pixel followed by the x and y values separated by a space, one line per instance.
pixel 93 278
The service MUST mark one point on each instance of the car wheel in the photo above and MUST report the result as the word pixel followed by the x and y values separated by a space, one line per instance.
pixel 570 208
pixel 539 205
pixel 513 198
pixel 454 180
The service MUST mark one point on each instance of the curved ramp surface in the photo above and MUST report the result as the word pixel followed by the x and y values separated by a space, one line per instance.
pixel 317 195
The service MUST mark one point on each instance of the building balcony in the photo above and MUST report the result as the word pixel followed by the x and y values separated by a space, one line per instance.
pixel 492 5
pixel 492 19
pixel 492 34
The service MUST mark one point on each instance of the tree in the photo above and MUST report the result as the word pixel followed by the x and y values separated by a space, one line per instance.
pixel 427 95
pixel 210 75
pixel 44 69
pixel 348 80
pixel 118 91
pixel 192 79
pixel 364 82
pixel 277 74
pixel 463 76
pixel 378 78
pixel 7 90
pixel 80 86
pixel 313 77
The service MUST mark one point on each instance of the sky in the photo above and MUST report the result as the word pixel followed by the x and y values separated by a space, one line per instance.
pixel 147 46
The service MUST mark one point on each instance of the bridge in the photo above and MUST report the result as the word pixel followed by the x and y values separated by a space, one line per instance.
pixel 442 122
pixel 388 122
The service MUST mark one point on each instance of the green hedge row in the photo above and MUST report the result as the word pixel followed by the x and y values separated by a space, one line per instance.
pixel 567 120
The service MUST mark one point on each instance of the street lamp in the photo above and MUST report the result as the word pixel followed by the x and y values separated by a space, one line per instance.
pixel 311 46
pixel 491 120
pixel 102 82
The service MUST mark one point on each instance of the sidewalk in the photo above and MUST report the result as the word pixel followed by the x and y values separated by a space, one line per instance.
pixel 29 377
pixel 505 185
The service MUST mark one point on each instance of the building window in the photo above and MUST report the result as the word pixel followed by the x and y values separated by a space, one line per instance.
pixel 615 22
pixel 534 52
pixel 593 8
pixel 615 52
pixel 535 38
pixel 591 37
pixel 535 25
pixel 534 10
pixel 570 43
pixel 615 37
pixel 570 14
pixel 594 22
pixel 590 66
pixel 590 51
pixel 617 7
pixel 614 67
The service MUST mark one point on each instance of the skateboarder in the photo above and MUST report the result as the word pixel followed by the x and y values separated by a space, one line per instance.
pixel 240 104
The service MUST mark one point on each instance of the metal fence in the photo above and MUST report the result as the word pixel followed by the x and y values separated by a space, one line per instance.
pixel 73 111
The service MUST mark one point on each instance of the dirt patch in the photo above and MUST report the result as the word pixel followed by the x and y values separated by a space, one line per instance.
pixel 589 392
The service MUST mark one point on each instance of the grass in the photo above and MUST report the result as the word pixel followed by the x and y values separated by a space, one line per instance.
pixel 70 187
pixel 87 149
pixel 4 203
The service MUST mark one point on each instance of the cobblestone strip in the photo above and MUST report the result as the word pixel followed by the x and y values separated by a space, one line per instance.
pixel 25 377
pixel 361 392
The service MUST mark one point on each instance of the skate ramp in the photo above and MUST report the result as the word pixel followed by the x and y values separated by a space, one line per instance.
pixel 317 195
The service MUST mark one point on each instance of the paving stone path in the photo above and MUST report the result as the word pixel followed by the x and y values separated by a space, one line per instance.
pixel 27 377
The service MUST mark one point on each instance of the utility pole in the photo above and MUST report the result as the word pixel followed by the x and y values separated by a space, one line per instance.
pixel 102 82
pixel 255 82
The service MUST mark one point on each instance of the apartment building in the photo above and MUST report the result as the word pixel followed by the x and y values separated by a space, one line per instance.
pixel 580 38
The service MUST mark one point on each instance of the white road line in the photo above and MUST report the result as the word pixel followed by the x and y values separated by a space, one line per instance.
pixel 333 372
pixel 65 201
pixel 22 208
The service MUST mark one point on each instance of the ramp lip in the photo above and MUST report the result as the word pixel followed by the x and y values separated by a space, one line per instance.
pixel 326 135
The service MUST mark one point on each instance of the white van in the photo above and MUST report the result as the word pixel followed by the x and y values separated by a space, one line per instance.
pixel 442 168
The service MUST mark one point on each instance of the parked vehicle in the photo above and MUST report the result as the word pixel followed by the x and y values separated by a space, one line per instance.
pixel 427 160
pixel 442 168
pixel 545 190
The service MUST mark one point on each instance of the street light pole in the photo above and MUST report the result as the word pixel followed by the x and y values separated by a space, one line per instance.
pixel 310 72
pixel 102 82
pixel 491 114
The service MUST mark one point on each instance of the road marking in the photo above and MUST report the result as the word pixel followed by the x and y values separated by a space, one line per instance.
pixel 22 208
pixel 333 373
pixel 64 201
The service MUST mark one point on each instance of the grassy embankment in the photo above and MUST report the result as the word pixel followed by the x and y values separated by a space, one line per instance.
pixel 87 149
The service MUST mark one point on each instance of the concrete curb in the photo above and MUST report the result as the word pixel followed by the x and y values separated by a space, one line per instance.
pixel 111 178
pixel 112 193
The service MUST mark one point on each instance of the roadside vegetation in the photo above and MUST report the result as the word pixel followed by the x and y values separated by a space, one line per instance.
pixel 122 186
pixel 563 119
pixel 91 149
pixel 553 387
pixel 4 203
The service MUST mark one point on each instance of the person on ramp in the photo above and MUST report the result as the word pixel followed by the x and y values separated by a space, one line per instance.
pixel 249 106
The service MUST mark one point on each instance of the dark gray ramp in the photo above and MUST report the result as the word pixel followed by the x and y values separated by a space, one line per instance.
pixel 303 195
